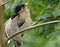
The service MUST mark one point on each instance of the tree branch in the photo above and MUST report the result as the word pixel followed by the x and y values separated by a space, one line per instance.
pixel 31 27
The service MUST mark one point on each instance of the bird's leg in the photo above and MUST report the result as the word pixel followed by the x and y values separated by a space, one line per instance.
pixel 18 44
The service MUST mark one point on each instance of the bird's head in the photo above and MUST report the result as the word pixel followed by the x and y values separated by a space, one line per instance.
pixel 17 10
pixel 20 12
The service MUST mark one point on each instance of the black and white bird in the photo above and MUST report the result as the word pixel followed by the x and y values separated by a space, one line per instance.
pixel 19 20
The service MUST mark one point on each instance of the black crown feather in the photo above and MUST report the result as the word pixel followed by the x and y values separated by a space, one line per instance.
pixel 18 8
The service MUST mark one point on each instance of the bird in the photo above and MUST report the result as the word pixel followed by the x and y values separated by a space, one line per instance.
pixel 19 20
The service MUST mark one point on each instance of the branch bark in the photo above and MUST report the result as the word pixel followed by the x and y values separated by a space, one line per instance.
pixel 2 33
pixel 31 27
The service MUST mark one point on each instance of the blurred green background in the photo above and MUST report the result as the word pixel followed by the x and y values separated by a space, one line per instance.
pixel 45 36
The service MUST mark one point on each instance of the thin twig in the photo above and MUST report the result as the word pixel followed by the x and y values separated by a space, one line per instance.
pixel 5 3
pixel 37 21
pixel 46 18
